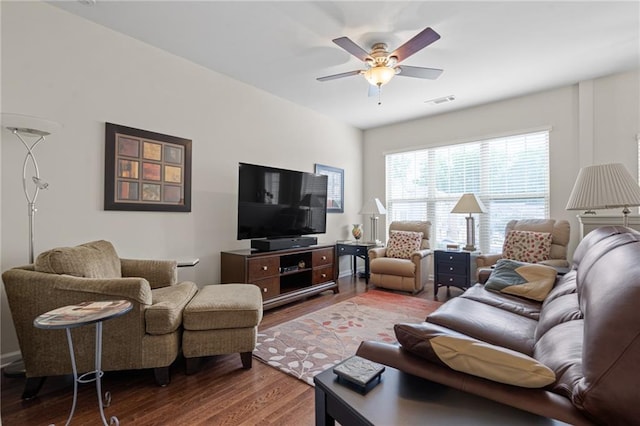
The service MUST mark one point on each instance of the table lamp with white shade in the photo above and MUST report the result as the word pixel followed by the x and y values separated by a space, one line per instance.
pixel 470 204
pixel 374 208
pixel 605 186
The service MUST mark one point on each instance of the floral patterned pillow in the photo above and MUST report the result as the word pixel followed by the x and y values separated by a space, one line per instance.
pixel 402 244
pixel 527 246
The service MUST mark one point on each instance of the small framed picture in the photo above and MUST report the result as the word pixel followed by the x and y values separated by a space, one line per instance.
pixel 335 187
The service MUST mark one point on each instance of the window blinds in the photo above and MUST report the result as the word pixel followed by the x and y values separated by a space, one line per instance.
pixel 509 174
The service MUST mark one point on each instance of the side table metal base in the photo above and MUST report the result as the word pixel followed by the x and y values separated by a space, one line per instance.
pixel 90 376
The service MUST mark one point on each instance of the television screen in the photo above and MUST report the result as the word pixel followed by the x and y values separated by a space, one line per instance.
pixel 278 203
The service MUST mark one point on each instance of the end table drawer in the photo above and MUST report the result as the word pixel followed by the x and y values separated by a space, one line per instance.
pixel 454 280
pixel 461 258
pixel 453 268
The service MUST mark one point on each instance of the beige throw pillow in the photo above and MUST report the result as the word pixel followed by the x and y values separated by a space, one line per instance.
pixel 402 244
pixel 491 362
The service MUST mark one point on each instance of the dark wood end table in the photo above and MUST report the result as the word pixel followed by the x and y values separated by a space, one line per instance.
pixel 357 249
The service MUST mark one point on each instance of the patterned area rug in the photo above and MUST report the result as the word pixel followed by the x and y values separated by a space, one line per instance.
pixel 315 342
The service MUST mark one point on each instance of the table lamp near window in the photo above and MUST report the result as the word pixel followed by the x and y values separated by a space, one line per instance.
pixel 470 204
pixel 374 208
pixel 605 186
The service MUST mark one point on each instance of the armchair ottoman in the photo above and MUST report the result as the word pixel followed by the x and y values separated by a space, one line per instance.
pixel 221 319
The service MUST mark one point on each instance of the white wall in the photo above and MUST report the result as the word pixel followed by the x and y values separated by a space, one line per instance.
pixel 63 68
pixel 592 122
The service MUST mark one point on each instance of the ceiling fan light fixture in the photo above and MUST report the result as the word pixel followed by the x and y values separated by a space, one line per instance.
pixel 380 75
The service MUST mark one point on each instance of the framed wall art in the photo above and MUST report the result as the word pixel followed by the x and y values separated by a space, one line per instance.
pixel 146 171
pixel 335 187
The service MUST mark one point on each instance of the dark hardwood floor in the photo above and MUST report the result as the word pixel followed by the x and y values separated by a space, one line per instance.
pixel 221 393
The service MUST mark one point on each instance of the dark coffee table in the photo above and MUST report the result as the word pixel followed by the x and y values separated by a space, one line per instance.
pixel 403 399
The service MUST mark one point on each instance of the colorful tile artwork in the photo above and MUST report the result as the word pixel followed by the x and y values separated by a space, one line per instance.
pixel 149 171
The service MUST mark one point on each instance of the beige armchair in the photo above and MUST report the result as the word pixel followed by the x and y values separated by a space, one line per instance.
pixel 560 233
pixel 402 274
pixel 146 337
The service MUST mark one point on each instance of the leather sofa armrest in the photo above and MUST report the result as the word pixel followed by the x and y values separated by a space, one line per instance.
pixel 159 273
pixel 486 260
pixel 377 252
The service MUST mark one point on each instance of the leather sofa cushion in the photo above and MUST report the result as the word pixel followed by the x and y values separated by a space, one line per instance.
pixel 559 310
pixel 491 362
pixel 561 350
pixel 393 266
pixel 486 323
pixel 517 305
pixel 522 279
pixel 566 284
pixel 96 259
pixel 165 314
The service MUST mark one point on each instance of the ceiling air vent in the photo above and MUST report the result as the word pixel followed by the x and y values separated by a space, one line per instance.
pixel 442 100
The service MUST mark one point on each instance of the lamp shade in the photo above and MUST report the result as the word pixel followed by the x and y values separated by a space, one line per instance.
pixel 604 186
pixel 29 126
pixel 469 203
pixel 373 206
pixel 380 75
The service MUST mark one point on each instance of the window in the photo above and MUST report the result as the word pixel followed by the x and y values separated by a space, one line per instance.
pixel 509 174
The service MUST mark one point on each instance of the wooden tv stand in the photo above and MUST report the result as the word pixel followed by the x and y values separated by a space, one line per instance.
pixel 283 275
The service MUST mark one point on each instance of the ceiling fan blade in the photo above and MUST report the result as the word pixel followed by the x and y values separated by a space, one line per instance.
pixel 347 44
pixel 419 72
pixel 335 76
pixel 418 42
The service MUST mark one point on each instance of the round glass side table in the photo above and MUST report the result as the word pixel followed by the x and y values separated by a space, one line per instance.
pixel 79 315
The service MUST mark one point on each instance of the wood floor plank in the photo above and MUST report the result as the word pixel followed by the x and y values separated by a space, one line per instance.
pixel 221 393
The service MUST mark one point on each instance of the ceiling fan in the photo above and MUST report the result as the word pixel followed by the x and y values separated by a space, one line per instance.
pixel 381 65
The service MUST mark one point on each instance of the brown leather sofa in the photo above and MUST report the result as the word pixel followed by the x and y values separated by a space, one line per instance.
pixel 587 331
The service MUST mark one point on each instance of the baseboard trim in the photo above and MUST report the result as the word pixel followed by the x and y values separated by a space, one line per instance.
pixel 8 358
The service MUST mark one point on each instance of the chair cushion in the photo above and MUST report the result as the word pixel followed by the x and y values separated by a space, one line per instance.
pixel 527 246
pixel 522 279
pixel 402 244
pixel 96 259
pixel 165 314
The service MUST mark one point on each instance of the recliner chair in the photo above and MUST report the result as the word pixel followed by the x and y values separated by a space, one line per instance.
pixel 402 274
pixel 560 231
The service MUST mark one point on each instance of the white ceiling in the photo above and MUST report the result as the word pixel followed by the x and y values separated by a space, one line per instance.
pixel 488 50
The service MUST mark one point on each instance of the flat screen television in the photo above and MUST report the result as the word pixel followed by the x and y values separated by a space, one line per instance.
pixel 280 203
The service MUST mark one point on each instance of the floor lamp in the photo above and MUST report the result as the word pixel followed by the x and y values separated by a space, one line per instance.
pixel 25 129
pixel 605 186
pixel 374 208
pixel 470 204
